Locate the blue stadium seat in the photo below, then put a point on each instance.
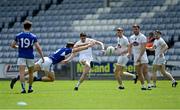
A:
(66, 20)
(177, 45)
(173, 57)
(177, 51)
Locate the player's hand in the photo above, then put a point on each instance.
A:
(138, 60)
(103, 52)
(128, 55)
(64, 62)
(43, 60)
(16, 46)
(92, 43)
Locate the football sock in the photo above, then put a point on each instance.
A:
(149, 85)
(17, 77)
(30, 87)
(143, 86)
(134, 76)
(23, 85)
(154, 84)
(173, 81)
(121, 85)
(77, 85)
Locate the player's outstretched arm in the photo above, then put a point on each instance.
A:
(38, 47)
(100, 43)
(69, 58)
(79, 45)
(77, 49)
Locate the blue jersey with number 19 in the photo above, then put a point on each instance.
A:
(25, 42)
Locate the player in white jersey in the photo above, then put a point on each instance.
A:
(85, 56)
(160, 47)
(137, 47)
(121, 51)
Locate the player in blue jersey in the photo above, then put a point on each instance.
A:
(57, 57)
(25, 41)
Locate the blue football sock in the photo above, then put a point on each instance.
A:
(30, 87)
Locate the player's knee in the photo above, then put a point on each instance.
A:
(116, 71)
(86, 70)
(51, 78)
(83, 62)
(84, 75)
(145, 70)
(116, 74)
(37, 67)
(163, 72)
(118, 68)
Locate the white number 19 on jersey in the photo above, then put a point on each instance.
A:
(25, 43)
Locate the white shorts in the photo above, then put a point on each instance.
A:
(26, 62)
(143, 61)
(47, 65)
(122, 60)
(159, 61)
(87, 61)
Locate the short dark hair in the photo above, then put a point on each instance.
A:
(119, 29)
(83, 34)
(151, 34)
(27, 24)
(157, 31)
(70, 44)
(136, 25)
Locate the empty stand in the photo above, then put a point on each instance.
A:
(56, 22)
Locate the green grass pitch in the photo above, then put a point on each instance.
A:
(92, 94)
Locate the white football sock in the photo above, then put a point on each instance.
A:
(134, 76)
(77, 85)
(143, 86)
(149, 85)
(173, 81)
